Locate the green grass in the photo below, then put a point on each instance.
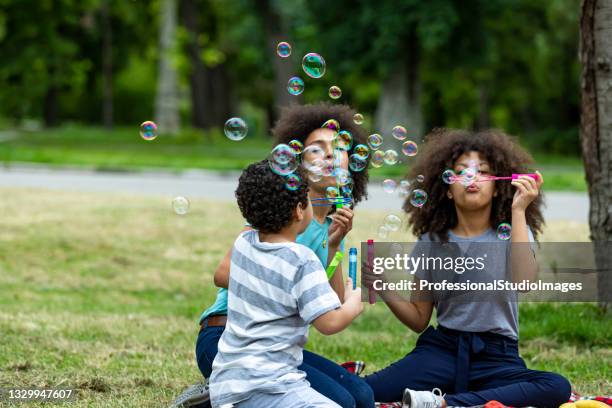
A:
(101, 292)
(123, 149)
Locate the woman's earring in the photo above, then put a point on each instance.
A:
(449, 195)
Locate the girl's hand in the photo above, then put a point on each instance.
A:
(341, 225)
(527, 190)
(368, 277)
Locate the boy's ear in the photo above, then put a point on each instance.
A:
(298, 213)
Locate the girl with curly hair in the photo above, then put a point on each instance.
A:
(472, 355)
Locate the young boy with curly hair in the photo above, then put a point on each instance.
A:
(277, 288)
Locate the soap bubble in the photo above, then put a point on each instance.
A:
(295, 86)
(362, 150)
(410, 148)
(331, 124)
(389, 186)
(315, 175)
(343, 140)
(393, 222)
(420, 178)
(335, 92)
(358, 118)
(404, 188)
(449, 176)
(148, 130)
(375, 141)
(357, 163)
(282, 154)
(378, 158)
(296, 146)
(504, 231)
(235, 129)
(418, 198)
(283, 49)
(312, 155)
(292, 182)
(337, 161)
(391, 157)
(347, 189)
(284, 169)
(467, 176)
(180, 205)
(399, 132)
(332, 192)
(313, 65)
(283, 160)
(342, 176)
(383, 232)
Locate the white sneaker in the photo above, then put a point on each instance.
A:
(422, 399)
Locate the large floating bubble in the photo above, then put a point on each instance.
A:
(282, 154)
(391, 157)
(393, 222)
(148, 130)
(389, 186)
(378, 158)
(418, 198)
(449, 176)
(410, 148)
(283, 49)
(362, 150)
(358, 118)
(235, 129)
(399, 132)
(313, 65)
(331, 124)
(292, 182)
(404, 188)
(357, 163)
(343, 140)
(296, 146)
(375, 141)
(343, 177)
(334, 92)
(180, 205)
(504, 231)
(295, 86)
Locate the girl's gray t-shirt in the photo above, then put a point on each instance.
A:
(492, 315)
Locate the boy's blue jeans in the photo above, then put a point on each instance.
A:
(325, 376)
(487, 365)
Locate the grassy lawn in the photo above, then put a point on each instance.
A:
(102, 292)
(122, 148)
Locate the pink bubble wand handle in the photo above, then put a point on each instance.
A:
(371, 292)
(513, 177)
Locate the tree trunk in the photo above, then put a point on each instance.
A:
(400, 98)
(200, 113)
(283, 67)
(166, 100)
(107, 67)
(596, 128)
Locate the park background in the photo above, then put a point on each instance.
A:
(102, 290)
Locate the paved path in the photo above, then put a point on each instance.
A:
(211, 185)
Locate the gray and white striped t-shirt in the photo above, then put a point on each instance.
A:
(275, 291)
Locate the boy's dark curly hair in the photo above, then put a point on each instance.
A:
(441, 149)
(264, 200)
(298, 121)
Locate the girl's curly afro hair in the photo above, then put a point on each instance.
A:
(265, 201)
(441, 149)
(299, 121)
